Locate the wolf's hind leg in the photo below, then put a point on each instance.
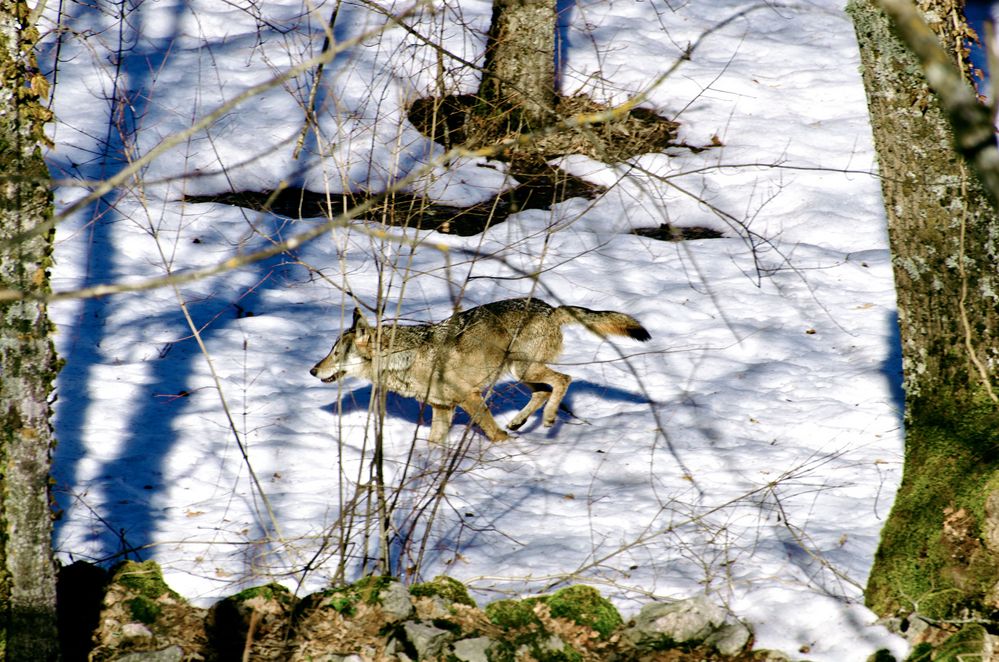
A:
(440, 424)
(481, 416)
(538, 398)
(539, 373)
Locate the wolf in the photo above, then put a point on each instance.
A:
(450, 363)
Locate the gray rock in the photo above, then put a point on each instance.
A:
(731, 639)
(135, 631)
(693, 621)
(437, 607)
(685, 621)
(395, 601)
(426, 640)
(472, 650)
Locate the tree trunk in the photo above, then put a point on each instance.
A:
(939, 552)
(27, 358)
(518, 81)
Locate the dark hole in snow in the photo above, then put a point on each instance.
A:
(667, 232)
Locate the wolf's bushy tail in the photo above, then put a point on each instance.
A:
(604, 322)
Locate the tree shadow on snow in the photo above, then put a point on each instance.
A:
(123, 486)
(892, 367)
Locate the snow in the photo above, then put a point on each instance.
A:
(751, 450)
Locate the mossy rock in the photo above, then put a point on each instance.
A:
(527, 630)
(144, 610)
(144, 578)
(447, 588)
(514, 614)
(140, 613)
(272, 591)
(270, 598)
(145, 584)
(344, 599)
(264, 610)
(584, 605)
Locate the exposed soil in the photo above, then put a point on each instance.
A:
(462, 119)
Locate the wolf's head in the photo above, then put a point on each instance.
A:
(350, 356)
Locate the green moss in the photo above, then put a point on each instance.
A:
(920, 653)
(144, 610)
(444, 587)
(513, 614)
(582, 605)
(585, 606)
(966, 644)
(145, 579)
(931, 552)
(566, 654)
(270, 591)
(344, 599)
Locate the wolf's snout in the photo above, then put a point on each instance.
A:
(313, 372)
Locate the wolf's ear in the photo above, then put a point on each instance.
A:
(361, 329)
(359, 322)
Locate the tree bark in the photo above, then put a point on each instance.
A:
(28, 362)
(518, 80)
(939, 553)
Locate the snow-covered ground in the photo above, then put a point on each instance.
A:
(751, 449)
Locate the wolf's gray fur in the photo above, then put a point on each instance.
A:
(449, 363)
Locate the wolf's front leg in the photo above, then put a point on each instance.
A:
(477, 409)
(440, 424)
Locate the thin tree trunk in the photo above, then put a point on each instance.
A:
(936, 559)
(519, 75)
(27, 358)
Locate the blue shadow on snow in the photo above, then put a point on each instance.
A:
(130, 480)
